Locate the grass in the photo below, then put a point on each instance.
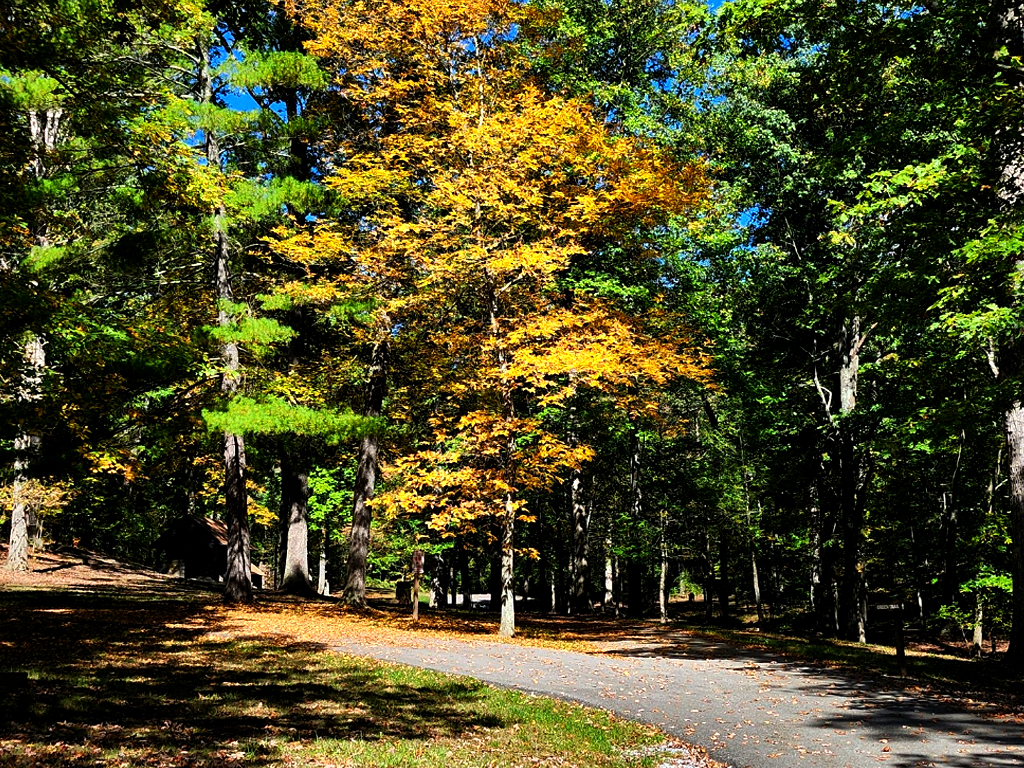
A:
(124, 679)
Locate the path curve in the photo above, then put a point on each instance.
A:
(747, 708)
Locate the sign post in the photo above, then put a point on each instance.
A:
(417, 571)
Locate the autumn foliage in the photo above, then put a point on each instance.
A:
(479, 192)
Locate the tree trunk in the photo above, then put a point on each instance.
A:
(816, 594)
(579, 601)
(977, 637)
(508, 609)
(852, 587)
(950, 530)
(294, 519)
(1015, 457)
(608, 602)
(508, 517)
(465, 581)
(238, 577)
(366, 473)
(635, 578)
(663, 584)
(709, 578)
(824, 601)
(438, 581)
(1007, 39)
(724, 582)
(757, 584)
(26, 446)
(323, 585)
(44, 131)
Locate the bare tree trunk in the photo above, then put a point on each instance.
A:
(852, 587)
(757, 585)
(724, 581)
(507, 627)
(323, 585)
(238, 577)
(1015, 456)
(663, 572)
(709, 578)
(977, 638)
(579, 600)
(294, 518)
(1006, 38)
(465, 582)
(366, 472)
(44, 131)
(438, 581)
(635, 577)
(816, 569)
(26, 445)
(608, 601)
(950, 520)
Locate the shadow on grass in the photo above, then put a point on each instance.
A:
(135, 679)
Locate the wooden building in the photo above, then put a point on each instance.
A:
(197, 548)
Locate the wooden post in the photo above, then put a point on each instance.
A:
(417, 571)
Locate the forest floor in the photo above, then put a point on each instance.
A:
(106, 664)
(746, 697)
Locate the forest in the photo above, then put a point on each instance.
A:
(592, 301)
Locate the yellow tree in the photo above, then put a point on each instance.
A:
(478, 191)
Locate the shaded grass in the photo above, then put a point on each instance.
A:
(151, 679)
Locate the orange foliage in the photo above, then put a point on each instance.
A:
(478, 191)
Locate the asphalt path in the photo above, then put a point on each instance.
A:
(746, 708)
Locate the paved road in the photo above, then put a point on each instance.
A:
(747, 708)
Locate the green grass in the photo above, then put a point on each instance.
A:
(123, 682)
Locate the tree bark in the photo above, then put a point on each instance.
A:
(709, 578)
(507, 627)
(663, 584)
(438, 581)
(238, 577)
(26, 446)
(852, 586)
(366, 472)
(44, 131)
(1006, 33)
(757, 584)
(465, 581)
(635, 577)
(1015, 458)
(977, 638)
(608, 602)
(580, 596)
(294, 518)
(724, 581)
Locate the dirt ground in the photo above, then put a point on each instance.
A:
(65, 567)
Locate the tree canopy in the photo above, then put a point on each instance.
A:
(724, 299)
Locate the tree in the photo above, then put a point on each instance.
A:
(82, 99)
(495, 188)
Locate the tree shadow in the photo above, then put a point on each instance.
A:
(140, 677)
(883, 710)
